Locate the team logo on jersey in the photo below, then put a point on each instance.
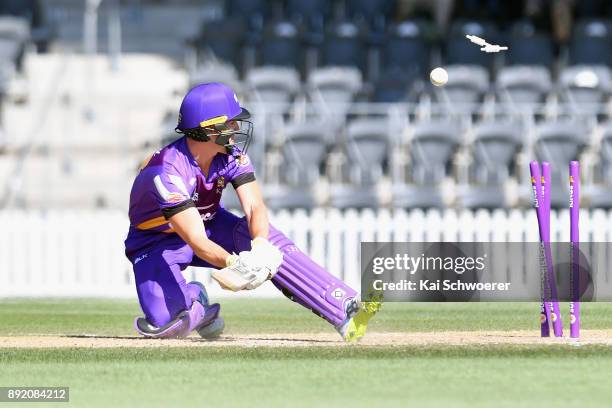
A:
(220, 184)
(195, 197)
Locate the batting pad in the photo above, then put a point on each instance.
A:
(301, 279)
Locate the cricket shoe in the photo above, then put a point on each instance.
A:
(358, 315)
(213, 324)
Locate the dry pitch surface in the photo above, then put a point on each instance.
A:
(276, 353)
(458, 338)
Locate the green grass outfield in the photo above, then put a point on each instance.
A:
(450, 376)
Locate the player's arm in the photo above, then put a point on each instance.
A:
(189, 226)
(254, 208)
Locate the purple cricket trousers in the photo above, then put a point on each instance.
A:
(163, 292)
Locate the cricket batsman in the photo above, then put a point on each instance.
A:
(176, 220)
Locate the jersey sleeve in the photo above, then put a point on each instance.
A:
(241, 170)
(171, 191)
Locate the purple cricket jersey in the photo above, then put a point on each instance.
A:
(172, 181)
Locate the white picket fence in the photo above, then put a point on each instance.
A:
(80, 253)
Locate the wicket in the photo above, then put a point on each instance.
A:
(549, 308)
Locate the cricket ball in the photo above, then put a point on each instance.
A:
(438, 76)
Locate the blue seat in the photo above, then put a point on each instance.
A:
(41, 32)
(398, 85)
(311, 16)
(591, 43)
(459, 50)
(281, 46)
(222, 41)
(254, 12)
(406, 47)
(343, 46)
(527, 46)
(375, 13)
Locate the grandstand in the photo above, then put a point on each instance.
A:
(343, 114)
(344, 117)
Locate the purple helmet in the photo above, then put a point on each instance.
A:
(209, 104)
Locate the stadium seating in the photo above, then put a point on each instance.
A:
(365, 151)
(222, 41)
(216, 71)
(599, 194)
(281, 46)
(398, 85)
(585, 86)
(523, 86)
(527, 46)
(591, 42)
(303, 154)
(311, 16)
(465, 87)
(332, 89)
(86, 181)
(273, 87)
(375, 13)
(251, 13)
(407, 48)
(460, 51)
(32, 13)
(418, 175)
(343, 46)
(559, 142)
(341, 102)
(493, 151)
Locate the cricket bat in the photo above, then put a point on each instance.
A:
(229, 279)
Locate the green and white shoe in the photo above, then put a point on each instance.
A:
(359, 314)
